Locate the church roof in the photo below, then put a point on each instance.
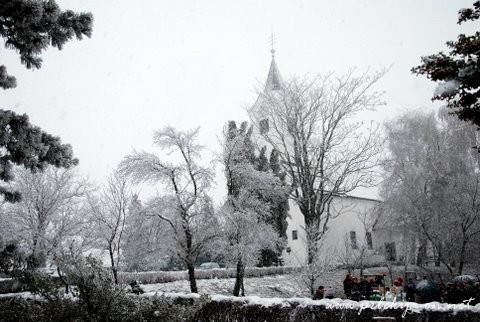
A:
(274, 79)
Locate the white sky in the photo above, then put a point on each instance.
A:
(197, 63)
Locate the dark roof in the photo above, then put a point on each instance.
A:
(274, 79)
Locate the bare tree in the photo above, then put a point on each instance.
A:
(49, 211)
(324, 151)
(186, 206)
(110, 211)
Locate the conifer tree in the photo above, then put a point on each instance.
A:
(261, 163)
(31, 26)
(246, 227)
(458, 71)
(27, 145)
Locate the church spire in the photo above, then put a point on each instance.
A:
(274, 79)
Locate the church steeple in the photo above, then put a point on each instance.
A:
(274, 79)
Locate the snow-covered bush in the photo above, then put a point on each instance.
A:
(95, 298)
(171, 276)
(253, 309)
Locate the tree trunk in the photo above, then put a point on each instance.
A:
(37, 257)
(191, 277)
(239, 279)
(422, 251)
(462, 257)
(190, 258)
(62, 279)
(312, 250)
(112, 262)
(311, 283)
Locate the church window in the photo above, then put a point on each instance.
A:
(390, 251)
(294, 234)
(368, 237)
(353, 239)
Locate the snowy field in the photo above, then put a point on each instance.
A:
(278, 286)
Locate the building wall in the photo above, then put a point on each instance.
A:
(405, 241)
(345, 219)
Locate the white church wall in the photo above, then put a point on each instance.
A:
(346, 217)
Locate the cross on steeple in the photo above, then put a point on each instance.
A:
(272, 44)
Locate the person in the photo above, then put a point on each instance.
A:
(364, 288)
(356, 294)
(136, 289)
(389, 297)
(410, 291)
(319, 293)
(347, 285)
(329, 292)
(379, 281)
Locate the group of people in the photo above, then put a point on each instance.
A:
(460, 292)
(453, 292)
(422, 291)
(360, 288)
(372, 289)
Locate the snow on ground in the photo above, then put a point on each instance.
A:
(281, 286)
(25, 295)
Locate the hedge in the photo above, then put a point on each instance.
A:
(10, 285)
(306, 310)
(171, 276)
(254, 309)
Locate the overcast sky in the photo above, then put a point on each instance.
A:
(198, 63)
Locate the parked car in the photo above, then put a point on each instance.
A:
(209, 265)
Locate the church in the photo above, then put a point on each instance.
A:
(349, 231)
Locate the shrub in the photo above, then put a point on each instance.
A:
(95, 298)
(11, 257)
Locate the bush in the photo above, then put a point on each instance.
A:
(95, 298)
(136, 309)
(11, 257)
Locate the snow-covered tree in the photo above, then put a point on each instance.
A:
(458, 71)
(27, 145)
(247, 210)
(185, 204)
(321, 147)
(31, 26)
(50, 212)
(149, 241)
(110, 212)
(432, 184)
(278, 206)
